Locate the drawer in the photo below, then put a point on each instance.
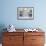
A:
(9, 45)
(12, 44)
(13, 33)
(34, 33)
(12, 39)
(37, 44)
(37, 39)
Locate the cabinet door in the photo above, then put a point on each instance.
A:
(37, 40)
(18, 41)
(27, 40)
(13, 40)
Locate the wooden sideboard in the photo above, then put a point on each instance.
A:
(23, 38)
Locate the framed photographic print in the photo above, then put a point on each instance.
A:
(25, 13)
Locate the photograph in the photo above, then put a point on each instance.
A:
(25, 13)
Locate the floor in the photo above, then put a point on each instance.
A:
(0, 44)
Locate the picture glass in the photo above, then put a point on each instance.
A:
(25, 13)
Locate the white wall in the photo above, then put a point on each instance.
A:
(9, 13)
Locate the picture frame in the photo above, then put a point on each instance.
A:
(25, 13)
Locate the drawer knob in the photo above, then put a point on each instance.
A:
(33, 39)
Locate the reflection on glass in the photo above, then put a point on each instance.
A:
(30, 11)
(21, 13)
(30, 15)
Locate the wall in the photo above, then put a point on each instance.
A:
(9, 13)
